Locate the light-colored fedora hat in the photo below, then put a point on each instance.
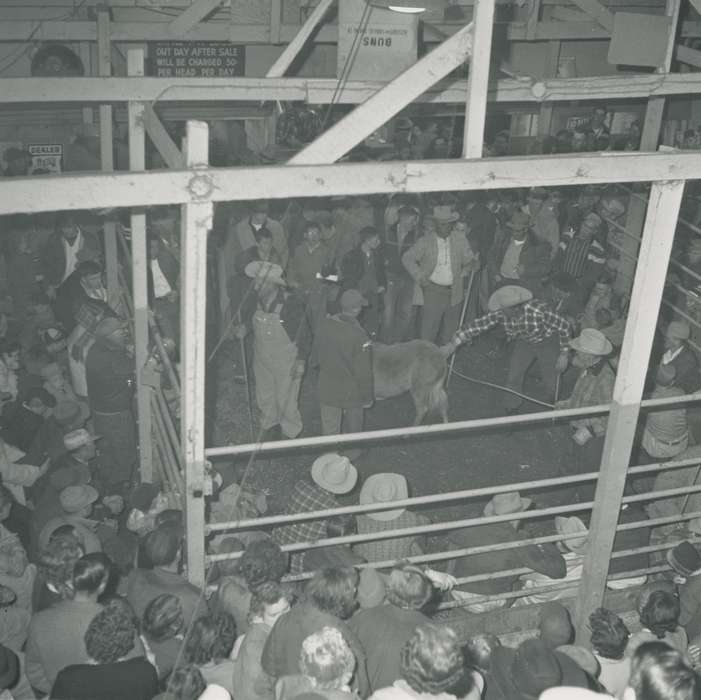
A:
(505, 503)
(264, 271)
(592, 342)
(384, 488)
(334, 473)
(572, 526)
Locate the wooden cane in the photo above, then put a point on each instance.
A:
(462, 320)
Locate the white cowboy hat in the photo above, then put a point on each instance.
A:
(264, 271)
(78, 438)
(384, 488)
(334, 473)
(505, 503)
(510, 295)
(572, 526)
(592, 342)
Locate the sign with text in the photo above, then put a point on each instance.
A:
(375, 44)
(196, 59)
(46, 158)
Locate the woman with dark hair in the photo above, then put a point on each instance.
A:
(161, 628)
(659, 672)
(54, 581)
(330, 598)
(163, 548)
(109, 673)
(384, 629)
(261, 562)
(609, 638)
(659, 615)
(432, 666)
(186, 683)
(209, 644)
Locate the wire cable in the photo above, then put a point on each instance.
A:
(502, 388)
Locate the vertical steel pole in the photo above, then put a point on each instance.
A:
(655, 249)
(196, 223)
(139, 260)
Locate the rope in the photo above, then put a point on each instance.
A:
(502, 388)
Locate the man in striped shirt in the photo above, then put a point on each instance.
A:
(581, 252)
(536, 331)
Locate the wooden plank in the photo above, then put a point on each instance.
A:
(546, 109)
(478, 81)
(384, 104)
(275, 21)
(104, 56)
(291, 51)
(532, 23)
(598, 12)
(90, 191)
(196, 221)
(322, 90)
(191, 17)
(137, 162)
(655, 250)
(691, 57)
(161, 139)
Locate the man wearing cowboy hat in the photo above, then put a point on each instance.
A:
(519, 257)
(331, 475)
(281, 344)
(544, 559)
(385, 488)
(438, 263)
(594, 386)
(534, 329)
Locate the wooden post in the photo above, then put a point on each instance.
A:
(545, 118)
(649, 140)
(137, 161)
(196, 221)
(655, 249)
(104, 52)
(478, 80)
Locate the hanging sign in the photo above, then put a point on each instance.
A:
(196, 59)
(376, 44)
(46, 158)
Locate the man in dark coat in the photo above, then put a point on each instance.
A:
(110, 378)
(363, 268)
(345, 368)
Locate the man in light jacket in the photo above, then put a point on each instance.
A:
(438, 263)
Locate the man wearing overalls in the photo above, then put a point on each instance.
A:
(281, 340)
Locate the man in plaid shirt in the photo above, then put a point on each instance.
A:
(534, 328)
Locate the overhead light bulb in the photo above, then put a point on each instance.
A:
(406, 9)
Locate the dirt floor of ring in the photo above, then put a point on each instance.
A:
(432, 465)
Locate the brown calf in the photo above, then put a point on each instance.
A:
(418, 367)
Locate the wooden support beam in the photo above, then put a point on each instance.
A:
(275, 21)
(291, 51)
(139, 257)
(650, 138)
(191, 17)
(196, 220)
(655, 250)
(322, 90)
(104, 56)
(532, 22)
(89, 191)
(545, 117)
(598, 12)
(478, 81)
(369, 116)
(161, 139)
(691, 57)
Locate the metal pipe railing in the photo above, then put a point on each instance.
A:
(462, 523)
(171, 455)
(169, 423)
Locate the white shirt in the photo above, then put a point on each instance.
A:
(161, 287)
(512, 256)
(669, 355)
(71, 250)
(443, 272)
